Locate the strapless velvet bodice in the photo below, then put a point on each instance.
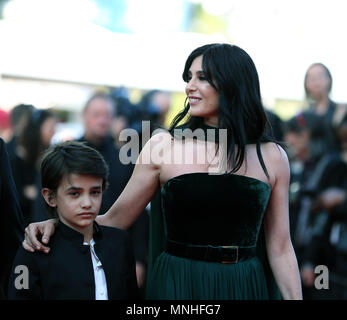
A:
(205, 209)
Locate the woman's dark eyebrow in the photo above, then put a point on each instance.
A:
(72, 188)
(199, 72)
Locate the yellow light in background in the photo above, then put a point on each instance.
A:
(177, 105)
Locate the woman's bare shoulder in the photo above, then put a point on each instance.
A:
(155, 150)
(159, 138)
(274, 151)
(277, 158)
(161, 134)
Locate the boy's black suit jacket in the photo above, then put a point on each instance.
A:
(66, 272)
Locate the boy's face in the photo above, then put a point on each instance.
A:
(78, 200)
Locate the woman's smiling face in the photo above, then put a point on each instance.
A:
(203, 97)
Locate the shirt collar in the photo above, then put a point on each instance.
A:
(75, 236)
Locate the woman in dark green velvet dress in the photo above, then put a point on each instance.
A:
(219, 221)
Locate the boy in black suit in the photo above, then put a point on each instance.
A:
(86, 261)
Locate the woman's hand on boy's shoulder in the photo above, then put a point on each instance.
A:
(34, 230)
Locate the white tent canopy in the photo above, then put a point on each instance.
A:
(89, 54)
(282, 40)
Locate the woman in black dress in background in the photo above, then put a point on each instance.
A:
(212, 214)
(34, 137)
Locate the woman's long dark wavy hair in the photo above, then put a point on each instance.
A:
(231, 71)
(30, 137)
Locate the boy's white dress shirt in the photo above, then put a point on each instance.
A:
(99, 274)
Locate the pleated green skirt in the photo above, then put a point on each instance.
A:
(176, 278)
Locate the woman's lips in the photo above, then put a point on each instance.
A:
(194, 100)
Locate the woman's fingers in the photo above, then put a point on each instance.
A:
(27, 244)
(27, 247)
(34, 231)
(31, 242)
(47, 231)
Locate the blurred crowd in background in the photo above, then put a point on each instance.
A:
(315, 140)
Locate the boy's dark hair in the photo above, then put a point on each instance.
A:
(67, 158)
